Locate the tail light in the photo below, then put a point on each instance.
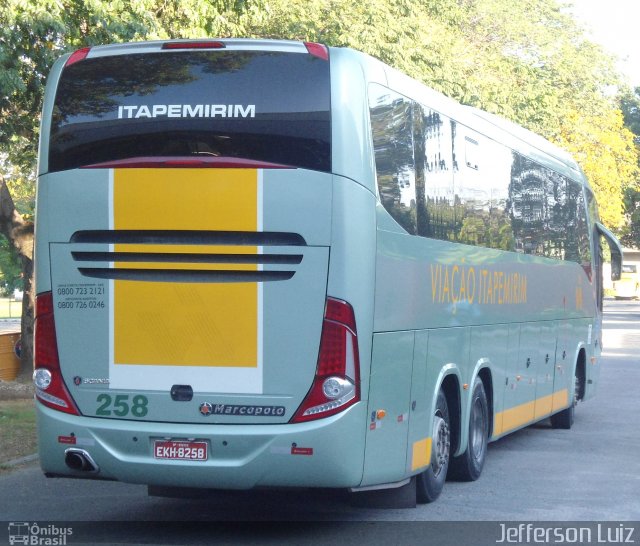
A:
(336, 385)
(47, 377)
(77, 56)
(317, 50)
(206, 44)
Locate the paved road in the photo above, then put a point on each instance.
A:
(591, 472)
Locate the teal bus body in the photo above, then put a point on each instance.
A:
(361, 286)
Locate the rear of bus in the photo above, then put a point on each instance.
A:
(628, 286)
(204, 277)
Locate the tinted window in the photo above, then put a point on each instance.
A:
(549, 213)
(439, 163)
(440, 179)
(266, 106)
(481, 185)
(392, 128)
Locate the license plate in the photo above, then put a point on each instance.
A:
(180, 450)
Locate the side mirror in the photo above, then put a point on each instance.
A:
(616, 269)
(616, 251)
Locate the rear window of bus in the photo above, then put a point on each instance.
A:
(264, 106)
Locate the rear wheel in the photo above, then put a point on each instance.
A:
(468, 466)
(431, 481)
(564, 419)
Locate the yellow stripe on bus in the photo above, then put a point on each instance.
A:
(421, 455)
(223, 264)
(517, 416)
(185, 324)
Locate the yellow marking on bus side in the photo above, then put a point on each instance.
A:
(421, 455)
(513, 418)
(185, 324)
(560, 400)
(517, 416)
(544, 406)
(497, 424)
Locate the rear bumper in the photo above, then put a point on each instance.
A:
(324, 453)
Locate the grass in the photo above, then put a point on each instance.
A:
(10, 308)
(17, 431)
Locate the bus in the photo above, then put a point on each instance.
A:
(282, 264)
(628, 286)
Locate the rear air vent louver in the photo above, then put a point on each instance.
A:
(184, 275)
(177, 237)
(167, 257)
(161, 259)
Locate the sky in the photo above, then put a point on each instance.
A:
(615, 24)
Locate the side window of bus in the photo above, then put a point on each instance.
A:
(526, 195)
(577, 227)
(392, 129)
(548, 212)
(434, 172)
(482, 190)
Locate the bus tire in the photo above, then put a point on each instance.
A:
(468, 466)
(429, 483)
(564, 419)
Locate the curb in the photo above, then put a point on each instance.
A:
(21, 460)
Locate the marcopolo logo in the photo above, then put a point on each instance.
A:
(38, 535)
(207, 409)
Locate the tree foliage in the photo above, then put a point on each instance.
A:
(630, 234)
(10, 271)
(630, 106)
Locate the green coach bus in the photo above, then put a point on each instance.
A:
(274, 263)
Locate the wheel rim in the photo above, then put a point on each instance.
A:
(479, 429)
(576, 390)
(442, 436)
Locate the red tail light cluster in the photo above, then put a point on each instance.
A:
(336, 385)
(317, 50)
(77, 56)
(50, 387)
(205, 44)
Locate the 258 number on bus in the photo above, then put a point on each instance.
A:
(120, 407)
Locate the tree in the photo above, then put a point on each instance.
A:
(630, 106)
(630, 234)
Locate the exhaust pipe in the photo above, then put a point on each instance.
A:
(79, 459)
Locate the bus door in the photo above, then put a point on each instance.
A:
(520, 389)
(546, 368)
